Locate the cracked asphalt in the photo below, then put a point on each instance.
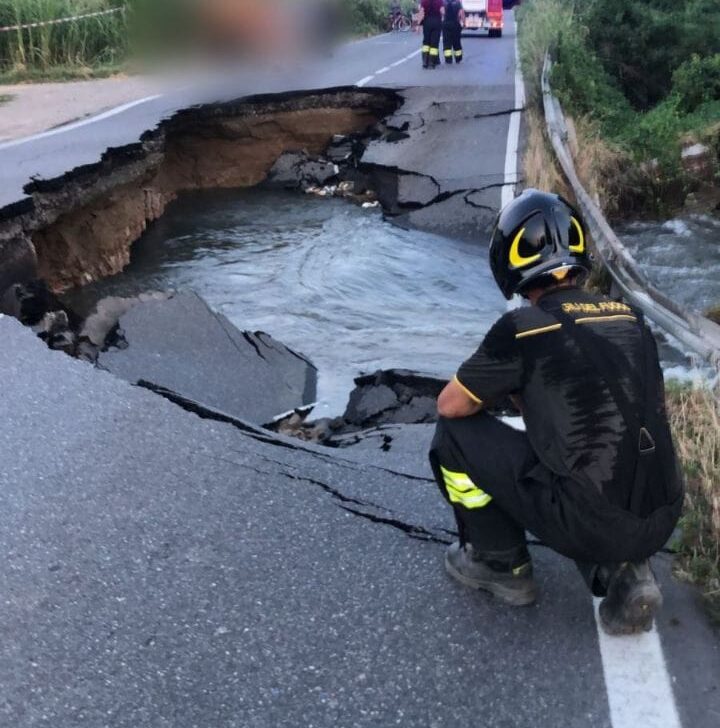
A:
(163, 569)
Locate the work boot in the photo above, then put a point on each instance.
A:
(633, 598)
(426, 60)
(510, 581)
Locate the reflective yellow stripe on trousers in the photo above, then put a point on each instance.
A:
(463, 491)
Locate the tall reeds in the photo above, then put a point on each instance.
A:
(85, 43)
(695, 418)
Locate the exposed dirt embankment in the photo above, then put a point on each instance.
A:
(83, 224)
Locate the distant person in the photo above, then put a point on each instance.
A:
(452, 31)
(432, 13)
(594, 476)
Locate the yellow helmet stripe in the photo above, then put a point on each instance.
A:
(517, 260)
(580, 247)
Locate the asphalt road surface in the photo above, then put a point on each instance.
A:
(163, 570)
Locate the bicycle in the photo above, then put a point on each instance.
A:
(399, 23)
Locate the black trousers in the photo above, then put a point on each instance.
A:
(498, 488)
(452, 42)
(432, 29)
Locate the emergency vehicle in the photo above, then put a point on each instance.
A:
(484, 15)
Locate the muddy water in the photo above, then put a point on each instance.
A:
(349, 290)
(681, 257)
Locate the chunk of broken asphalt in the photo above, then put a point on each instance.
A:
(298, 170)
(392, 396)
(182, 345)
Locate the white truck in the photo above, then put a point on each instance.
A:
(484, 15)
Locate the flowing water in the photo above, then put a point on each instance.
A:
(681, 257)
(336, 282)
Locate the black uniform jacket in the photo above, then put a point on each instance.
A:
(573, 422)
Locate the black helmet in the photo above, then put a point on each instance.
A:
(537, 235)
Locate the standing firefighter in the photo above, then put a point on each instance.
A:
(595, 476)
(432, 12)
(452, 31)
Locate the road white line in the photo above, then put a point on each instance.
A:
(77, 124)
(385, 69)
(636, 678)
(513, 139)
(507, 193)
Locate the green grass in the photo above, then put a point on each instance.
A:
(61, 73)
(97, 47)
(75, 47)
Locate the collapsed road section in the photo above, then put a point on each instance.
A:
(167, 563)
(400, 148)
(80, 227)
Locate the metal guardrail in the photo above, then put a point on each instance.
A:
(693, 330)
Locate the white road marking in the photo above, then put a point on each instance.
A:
(510, 179)
(77, 124)
(636, 679)
(513, 139)
(365, 81)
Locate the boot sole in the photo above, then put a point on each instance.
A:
(637, 614)
(515, 597)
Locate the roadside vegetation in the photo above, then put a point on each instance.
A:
(639, 81)
(101, 46)
(370, 16)
(695, 418)
(80, 49)
(642, 81)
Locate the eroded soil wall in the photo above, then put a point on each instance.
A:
(83, 225)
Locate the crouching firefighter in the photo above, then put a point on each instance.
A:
(594, 476)
(452, 31)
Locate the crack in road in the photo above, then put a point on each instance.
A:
(411, 529)
(417, 532)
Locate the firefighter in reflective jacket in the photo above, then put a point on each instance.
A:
(432, 13)
(452, 31)
(594, 475)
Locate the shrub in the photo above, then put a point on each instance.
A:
(369, 16)
(696, 82)
(641, 43)
(542, 22)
